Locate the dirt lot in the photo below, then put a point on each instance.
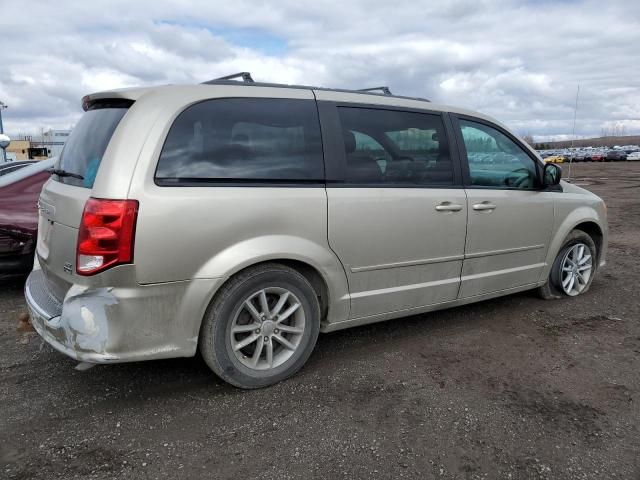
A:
(510, 388)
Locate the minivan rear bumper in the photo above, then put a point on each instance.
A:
(113, 325)
(46, 317)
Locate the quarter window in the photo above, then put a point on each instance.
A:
(254, 139)
(389, 147)
(495, 160)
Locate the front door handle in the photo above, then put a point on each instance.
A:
(484, 206)
(448, 207)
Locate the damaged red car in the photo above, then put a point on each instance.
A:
(19, 192)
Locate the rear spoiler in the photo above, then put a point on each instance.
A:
(97, 103)
(127, 94)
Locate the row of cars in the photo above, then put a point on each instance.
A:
(591, 155)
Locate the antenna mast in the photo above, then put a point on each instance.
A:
(573, 134)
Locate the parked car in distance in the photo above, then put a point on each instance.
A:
(633, 156)
(554, 159)
(19, 193)
(8, 167)
(243, 219)
(628, 148)
(580, 156)
(597, 157)
(616, 155)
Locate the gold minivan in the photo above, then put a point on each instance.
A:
(243, 218)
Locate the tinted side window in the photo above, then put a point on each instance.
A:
(495, 160)
(244, 139)
(403, 148)
(365, 145)
(86, 145)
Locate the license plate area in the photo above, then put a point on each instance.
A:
(46, 217)
(45, 229)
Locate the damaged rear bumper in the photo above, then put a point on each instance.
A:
(113, 325)
(83, 339)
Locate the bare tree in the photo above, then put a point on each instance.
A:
(527, 137)
(617, 130)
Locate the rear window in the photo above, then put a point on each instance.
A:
(243, 139)
(87, 143)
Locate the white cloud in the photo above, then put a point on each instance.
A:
(518, 61)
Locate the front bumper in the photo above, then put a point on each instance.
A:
(113, 325)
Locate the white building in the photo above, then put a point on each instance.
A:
(54, 140)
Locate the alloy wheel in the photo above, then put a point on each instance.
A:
(577, 266)
(267, 328)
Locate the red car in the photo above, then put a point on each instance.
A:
(19, 193)
(597, 157)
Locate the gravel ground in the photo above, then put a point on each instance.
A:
(509, 388)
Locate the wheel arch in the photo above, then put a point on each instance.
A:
(308, 271)
(317, 263)
(592, 229)
(314, 277)
(585, 219)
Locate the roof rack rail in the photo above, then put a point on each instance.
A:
(246, 80)
(246, 77)
(382, 89)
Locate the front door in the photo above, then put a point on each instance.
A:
(397, 217)
(510, 217)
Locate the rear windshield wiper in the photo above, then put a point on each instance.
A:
(64, 173)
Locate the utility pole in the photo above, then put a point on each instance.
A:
(2, 107)
(573, 134)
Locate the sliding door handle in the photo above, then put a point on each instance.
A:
(484, 206)
(448, 207)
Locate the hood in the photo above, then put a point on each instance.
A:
(571, 188)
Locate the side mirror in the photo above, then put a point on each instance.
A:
(551, 175)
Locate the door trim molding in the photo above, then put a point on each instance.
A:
(409, 263)
(403, 288)
(452, 258)
(493, 273)
(503, 251)
(379, 317)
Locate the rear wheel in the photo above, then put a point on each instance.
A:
(573, 269)
(261, 327)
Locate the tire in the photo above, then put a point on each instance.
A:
(229, 312)
(553, 288)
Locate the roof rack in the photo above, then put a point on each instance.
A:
(246, 77)
(382, 89)
(248, 80)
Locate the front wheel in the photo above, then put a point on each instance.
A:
(573, 269)
(261, 326)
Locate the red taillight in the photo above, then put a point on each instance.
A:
(106, 235)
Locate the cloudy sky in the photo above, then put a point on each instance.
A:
(520, 61)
